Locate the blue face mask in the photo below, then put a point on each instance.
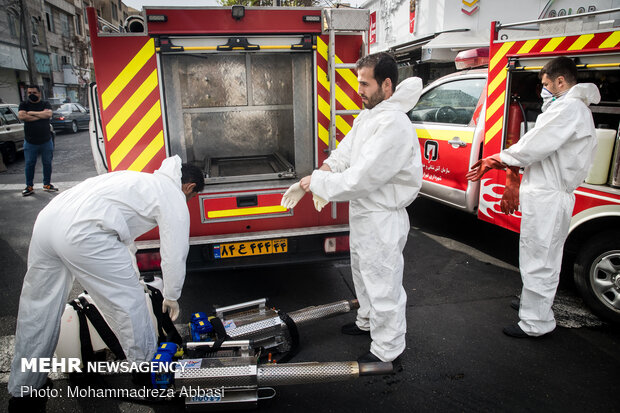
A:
(547, 98)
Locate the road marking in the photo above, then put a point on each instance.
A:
(18, 187)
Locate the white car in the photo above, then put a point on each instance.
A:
(12, 132)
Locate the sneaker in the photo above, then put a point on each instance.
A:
(352, 329)
(50, 188)
(28, 191)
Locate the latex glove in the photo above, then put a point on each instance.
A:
(319, 202)
(510, 199)
(171, 307)
(483, 166)
(292, 196)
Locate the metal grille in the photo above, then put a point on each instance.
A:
(347, 20)
(249, 329)
(318, 312)
(304, 373)
(240, 372)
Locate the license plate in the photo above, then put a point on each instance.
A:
(246, 249)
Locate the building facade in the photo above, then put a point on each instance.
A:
(57, 35)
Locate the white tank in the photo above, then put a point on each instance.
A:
(600, 168)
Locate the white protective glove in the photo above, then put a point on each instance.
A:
(319, 202)
(292, 196)
(171, 307)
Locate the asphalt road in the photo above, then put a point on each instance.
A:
(460, 276)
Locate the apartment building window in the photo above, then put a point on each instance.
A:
(12, 24)
(49, 19)
(114, 13)
(85, 16)
(78, 24)
(65, 27)
(55, 58)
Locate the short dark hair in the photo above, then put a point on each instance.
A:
(193, 175)
(384, 67)
(34, 87)
(560, 66)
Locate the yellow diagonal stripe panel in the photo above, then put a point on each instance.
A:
(493, 107)
(466, 136)
(527, 46)
(131, 105)
(499, 79)
(135, 135)
(321, 47)
(148, 153)
(469, 4)
(552, 44)
(611, 41)
(224, 213)
(493, 130)
(500, 54)
(323, 134)
(341, 125)
(347, 74)
(128, 73)
(581, 42)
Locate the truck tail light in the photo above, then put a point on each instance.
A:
(61, 118)
(333, 245)
(148, 261)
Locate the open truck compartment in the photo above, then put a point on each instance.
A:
(241, 116)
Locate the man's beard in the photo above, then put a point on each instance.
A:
(375, 99)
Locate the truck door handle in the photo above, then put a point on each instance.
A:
(247, 201)
(456, 142)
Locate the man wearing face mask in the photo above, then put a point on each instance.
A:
(36, 114)
(556, 154)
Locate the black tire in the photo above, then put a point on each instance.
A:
(74, 127)
(9, 154)
(597, 274)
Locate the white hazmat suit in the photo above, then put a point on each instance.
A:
(86, 233)
(378, 168)
(557, 154)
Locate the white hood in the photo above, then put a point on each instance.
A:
(405, 96)
(171, 167)
(586, 92)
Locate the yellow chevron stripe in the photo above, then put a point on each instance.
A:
(492, 131)
(321, 47)
(128, 73)
(500, 54)
(498, 80)
(148, 154)
(553, 44)
(131, 105)
(611, 41)
(493, 107)
(341, 124)
(341, 97)
(581, 42)
(465, 2)
(323, 134)
(466, 136)
(224, 213)
(527, 46)
(347, 75)
(135, 135)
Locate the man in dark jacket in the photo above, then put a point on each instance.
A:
(36, 114)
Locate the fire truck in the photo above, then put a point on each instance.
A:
(256, 97)
(475, 113)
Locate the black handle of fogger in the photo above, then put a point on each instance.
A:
(376, 368)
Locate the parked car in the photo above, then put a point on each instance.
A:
(70, 116)
(12, 132)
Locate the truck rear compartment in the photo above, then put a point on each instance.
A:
(242, 116)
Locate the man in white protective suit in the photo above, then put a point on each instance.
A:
(87, 233)
(556, 154)
(377, 167)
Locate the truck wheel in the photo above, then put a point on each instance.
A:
(8, 152)
(597, 274)
(74, 127)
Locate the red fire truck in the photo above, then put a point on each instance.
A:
(475, 113)
(256, 97)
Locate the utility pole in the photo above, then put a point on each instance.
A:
(26, 25)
